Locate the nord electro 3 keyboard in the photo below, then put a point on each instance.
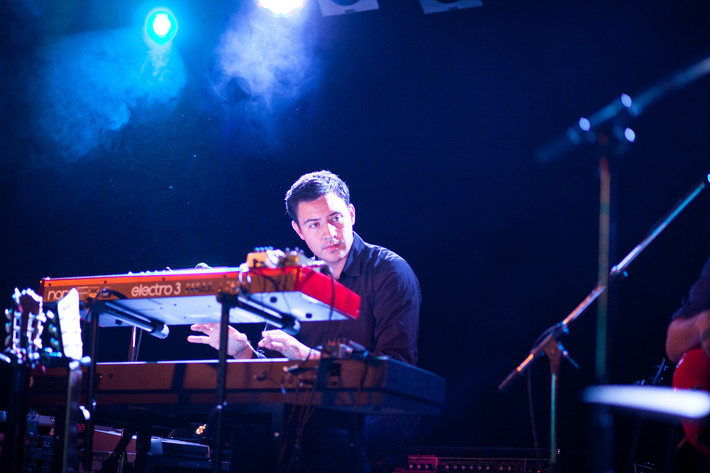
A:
(188, 296)
(172, 389)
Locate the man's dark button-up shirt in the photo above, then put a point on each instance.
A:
(389, 307)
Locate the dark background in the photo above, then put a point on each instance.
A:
(110, 165)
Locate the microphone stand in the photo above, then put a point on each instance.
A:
(228, 300)
(599, 128)
(550, 344)
(601, 422)
(620, 109)
(238, 297)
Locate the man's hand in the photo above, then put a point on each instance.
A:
(237, 343)
(288, 346)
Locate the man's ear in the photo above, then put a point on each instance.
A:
(297, 229)
(352, 213)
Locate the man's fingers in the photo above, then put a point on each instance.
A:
(271, 344)
(200, 327)
(198, 339)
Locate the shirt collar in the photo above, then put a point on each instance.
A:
(352, 268)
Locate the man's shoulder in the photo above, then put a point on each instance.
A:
(372, 251)
(383, 258)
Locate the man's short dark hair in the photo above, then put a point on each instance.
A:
(312, 186)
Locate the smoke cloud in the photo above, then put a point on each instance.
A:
(265, 64)
(85, 88)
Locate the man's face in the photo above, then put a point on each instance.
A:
(326, 225)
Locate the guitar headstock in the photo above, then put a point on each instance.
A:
(25, 323)
(658, 378)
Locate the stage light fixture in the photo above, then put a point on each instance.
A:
(341, 7)
(282, 7)
(438, 6)
(160, 26)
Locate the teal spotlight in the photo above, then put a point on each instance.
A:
(160, 26)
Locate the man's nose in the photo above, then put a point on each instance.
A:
(331, 231)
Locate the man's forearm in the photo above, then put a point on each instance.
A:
(684, 334)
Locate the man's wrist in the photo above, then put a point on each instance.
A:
(246, 353)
